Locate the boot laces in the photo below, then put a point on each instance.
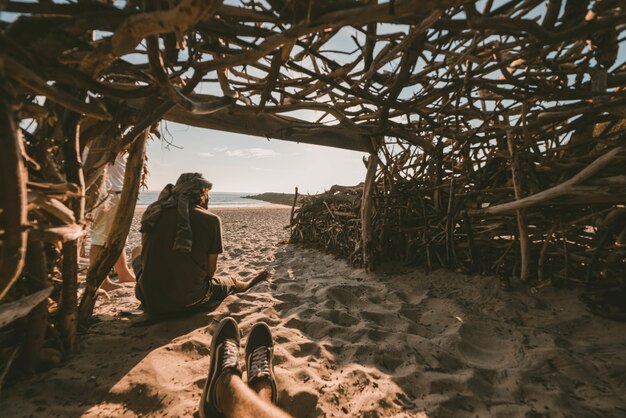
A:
(230, 355)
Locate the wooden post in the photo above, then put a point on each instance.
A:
(37, 321)
(12, 194)
(117, 238)
(367, 208)
(467, 221)
(74, 172)
(293, 208)
(522, 226)
(69, 299)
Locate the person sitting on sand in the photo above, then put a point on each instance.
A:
(181, 241)
(225, 393)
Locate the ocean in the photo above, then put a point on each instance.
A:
(216, 200)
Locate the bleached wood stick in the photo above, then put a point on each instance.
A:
(554, 192)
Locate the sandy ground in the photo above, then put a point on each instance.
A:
(397, 343)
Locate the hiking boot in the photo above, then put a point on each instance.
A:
(224, 359)
(260, 357)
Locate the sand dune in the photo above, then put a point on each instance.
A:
(396, 343)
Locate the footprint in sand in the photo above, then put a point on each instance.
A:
(313, 328)
(339, 317)
(307, 349)
(410, 312)
(235, 308)
(289, 297)
(439, 317)
(479, 346)
(286, 307)
(193, 349)
(346, 295)
(387, 320)
(293, 288)
(388, 361)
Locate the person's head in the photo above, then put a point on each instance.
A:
(203, 198)
(195, 186)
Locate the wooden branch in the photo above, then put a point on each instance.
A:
(117, 237)
(554, 192)
(279, 59)
(13, 177)
(52, 206)
(404, 11)
(51, 8)
(367, 208)
(33, 82)
(293, 207)
(177, 19)
(66, 320)
(245, 121)
(191, 106)
(522, 224)
(12, 311)
(409, 58)
(55, 189)
(153, 111)
(37, 279)
(57, 233)
(245, 15)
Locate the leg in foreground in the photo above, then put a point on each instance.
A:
(225, 394)
(224, 361)
(236, 399)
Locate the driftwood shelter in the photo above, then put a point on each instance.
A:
(495, 131)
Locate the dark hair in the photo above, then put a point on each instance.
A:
(200, 198)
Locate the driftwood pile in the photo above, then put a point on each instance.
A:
(331, 221)
(461, 212)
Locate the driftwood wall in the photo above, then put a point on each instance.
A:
(555, 216)
(494, 131)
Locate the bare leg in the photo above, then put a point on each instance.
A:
(135, 252)
(263, 388)
(236, 399)
(107, 284)
(121, 266)
(241, 286)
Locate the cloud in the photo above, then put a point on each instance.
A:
(220, 149)
(205, 154)
(252, 153)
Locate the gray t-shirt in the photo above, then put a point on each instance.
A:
(172, 281)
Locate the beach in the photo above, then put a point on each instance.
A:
(394, 343)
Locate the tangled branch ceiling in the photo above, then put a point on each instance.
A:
(334, 73)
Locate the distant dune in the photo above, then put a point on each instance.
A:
(277, 198)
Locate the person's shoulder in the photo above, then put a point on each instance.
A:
(205, 214)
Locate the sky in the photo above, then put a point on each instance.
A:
(242, 163)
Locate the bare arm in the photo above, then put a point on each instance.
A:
(212, 264)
